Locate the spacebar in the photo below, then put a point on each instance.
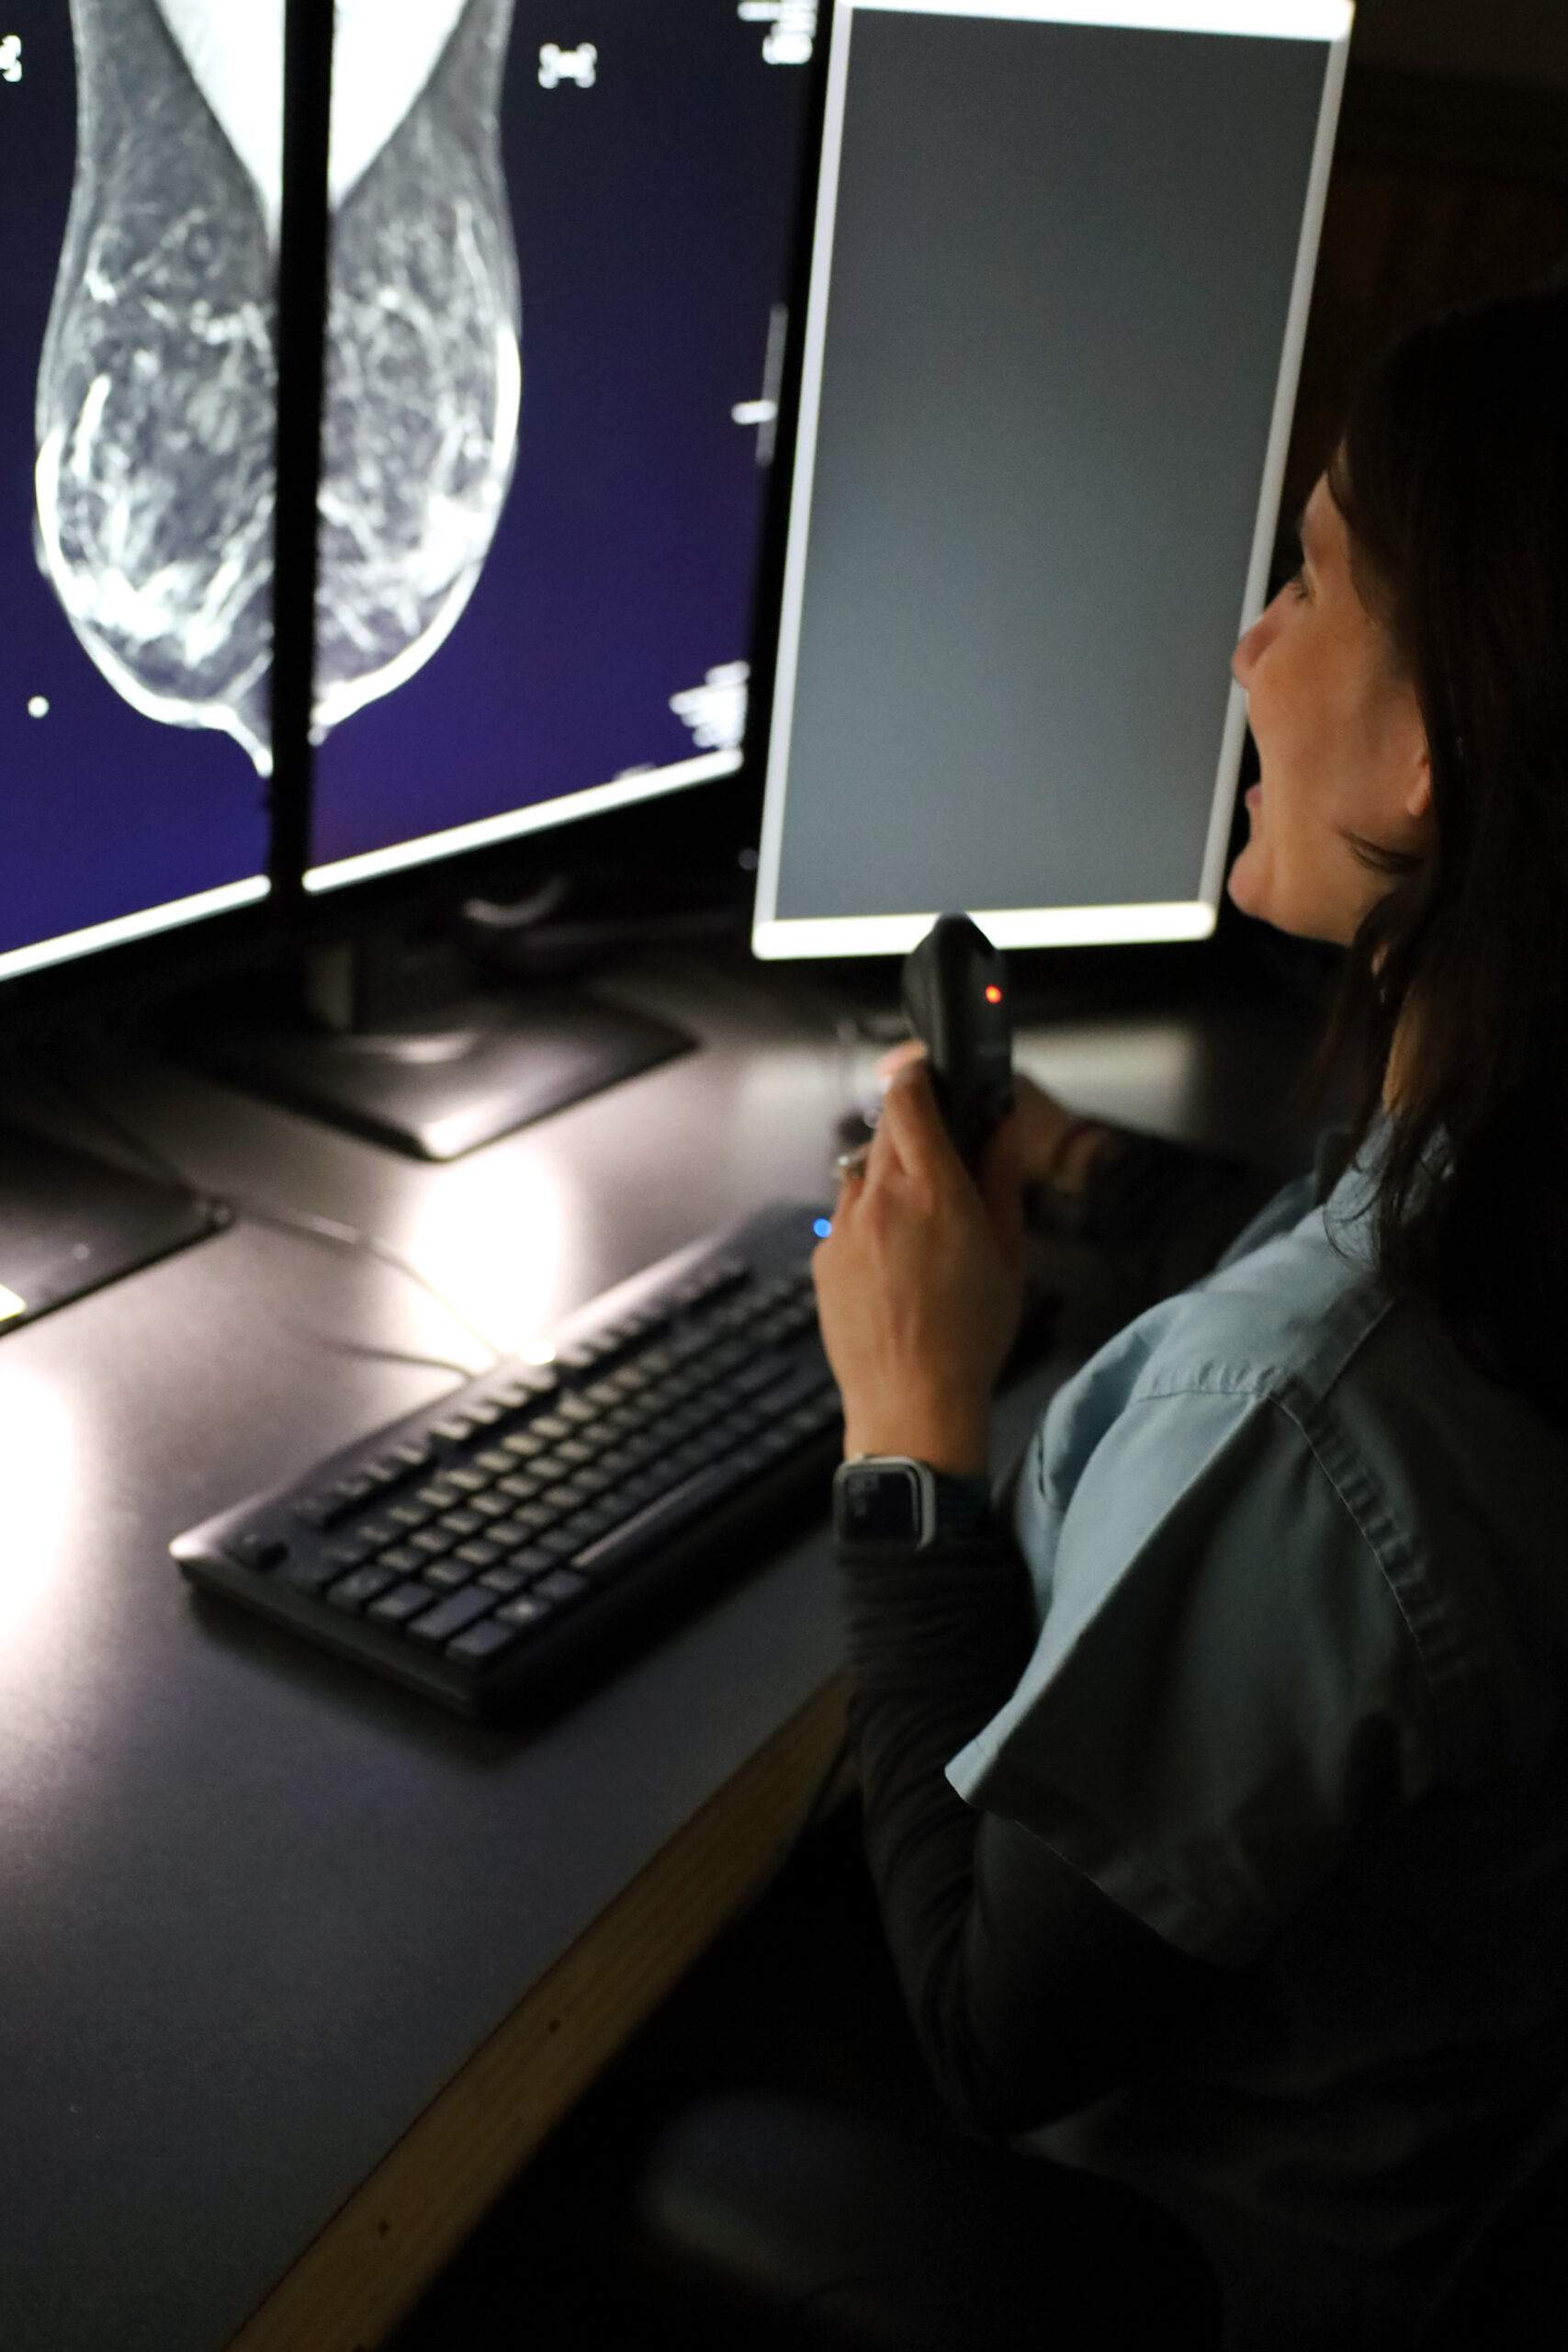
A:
(609, 1554)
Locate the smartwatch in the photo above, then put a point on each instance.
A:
(889, 1506)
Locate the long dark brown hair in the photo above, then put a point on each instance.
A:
(1452, 478)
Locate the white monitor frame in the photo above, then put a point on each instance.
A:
(144, 922)
(776, 938)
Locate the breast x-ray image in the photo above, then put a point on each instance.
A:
(424, 374)
(154, 416)
(155, 394)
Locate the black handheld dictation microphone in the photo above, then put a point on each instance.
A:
(956, 1002)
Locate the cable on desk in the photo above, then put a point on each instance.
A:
(353, 1236)
(302, 1221)
(364, 1351)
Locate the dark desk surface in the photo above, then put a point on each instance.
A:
(260, 1913)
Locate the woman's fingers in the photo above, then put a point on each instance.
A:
(913, 1049)
(917, 1135)
(919, 1146)
(1001, 1188)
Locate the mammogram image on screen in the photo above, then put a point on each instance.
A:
(424, 374)
(156, 386)
(154, 414)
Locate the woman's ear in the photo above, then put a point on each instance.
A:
(1418, 788)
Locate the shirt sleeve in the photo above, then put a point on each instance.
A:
(1028, 1994)
(1224, 1689)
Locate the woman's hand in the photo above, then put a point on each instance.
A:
(918, 1284)
(1054, 1146)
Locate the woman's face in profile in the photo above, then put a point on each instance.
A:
(1341, 746)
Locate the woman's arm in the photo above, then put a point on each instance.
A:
(1029, 1991)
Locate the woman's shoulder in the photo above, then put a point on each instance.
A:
(1282, 1317)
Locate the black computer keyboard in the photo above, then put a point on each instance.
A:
(489, 1549)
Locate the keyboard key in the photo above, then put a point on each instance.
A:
(493, 1459)
(348, 1552)
(531, 1560)
(404, 1601)
(402, 1559)
(533, 1518)
(505, 1579)
(451, 1616)
(434, 1543)
(456, 1429)
(407, 1515)
(375, 1532)
(551, 1426)
(524, 1615)
(353, 1592)
(483, 1414)
(520, 1486)
(533, 1380)
(460, 1523)
(445, 1576)
(470, 1481)
(253, 1551)
(440, 1494)
(508, 1534)
(806, 1380)
(560, 1588)
(577, 1355)
(316, 1510)
(482, 1641)
(352, 1491)
(478, 1554)
(524, 1444)
(413, 1453)
(309, 1576)
(489, 1506)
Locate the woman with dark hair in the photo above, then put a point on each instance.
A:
(1216, 1784)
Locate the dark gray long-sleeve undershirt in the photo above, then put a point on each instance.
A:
(1031, 1993)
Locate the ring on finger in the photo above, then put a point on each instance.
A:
(851, 1165)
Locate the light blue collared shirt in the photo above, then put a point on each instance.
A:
(1297, 1702)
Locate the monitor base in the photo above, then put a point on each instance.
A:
(439, 1083)
(69, 1224)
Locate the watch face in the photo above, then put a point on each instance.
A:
(880, 1504)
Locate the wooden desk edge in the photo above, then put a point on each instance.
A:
(398, 2231)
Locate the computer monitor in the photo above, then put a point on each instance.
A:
(139, 167)
(554, 343)
(1059, 281)
(140, 159)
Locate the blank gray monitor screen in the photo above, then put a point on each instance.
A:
(1061, 266)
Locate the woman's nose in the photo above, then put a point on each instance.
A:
(1243, 661)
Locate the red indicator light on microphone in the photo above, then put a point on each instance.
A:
(993, 994)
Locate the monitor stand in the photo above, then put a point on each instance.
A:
(398, 1037)
(70, 1223)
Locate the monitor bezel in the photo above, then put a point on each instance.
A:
(776, 938)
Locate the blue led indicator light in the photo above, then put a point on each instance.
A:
(822, 1227)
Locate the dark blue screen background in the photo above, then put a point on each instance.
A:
(102, 812)
(651, 215)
